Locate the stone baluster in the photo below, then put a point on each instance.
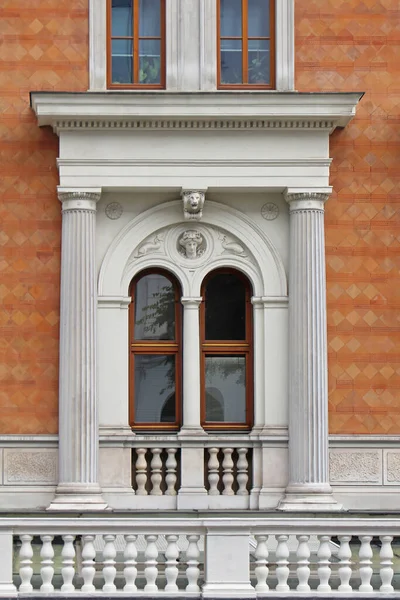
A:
(68, 563)
(227, 477)
(365, 555)
(141, 472)
(171, 568)
(192, 561)
(303, 569)
(261, 570)
(47, 563)
(171, 466)
(88, 568)
(130, 568)
(151, 570)
(324, 561)
(308, 488)
(25, 563)
(213, 472)
(156, 476)
(386, 562)
(282, 569)
(242, 466)
(78, 486)
(109, 570)
(345, 563)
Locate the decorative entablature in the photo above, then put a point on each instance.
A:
(200, 140)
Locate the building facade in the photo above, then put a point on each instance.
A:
(200, 232)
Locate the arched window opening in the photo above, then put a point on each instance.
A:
(226, 351)
(155, 351)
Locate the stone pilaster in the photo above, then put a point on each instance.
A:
(78, 487)
(308, 488)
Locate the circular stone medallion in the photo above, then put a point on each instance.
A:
(270, 211)
(114, 210)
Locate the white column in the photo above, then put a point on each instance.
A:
(192, 493)
(308, 488)
(78, 486)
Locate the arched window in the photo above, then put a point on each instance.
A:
(155, 351)
(226, 351)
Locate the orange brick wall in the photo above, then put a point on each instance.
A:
(354, 45)
(341, 45)
(43, 46)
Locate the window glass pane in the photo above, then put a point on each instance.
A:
(225, 308)
(149, 61)
(154, 308)
(259, 63)
(231, 18)
(258, 18)
(154, 388)
(122, 61)
(231, 61)
(226, 389)
(121, 18)
(149, 18)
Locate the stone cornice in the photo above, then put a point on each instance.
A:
(211, 110)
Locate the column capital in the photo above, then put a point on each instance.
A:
(79, 199)
(191, 302)
(307, 200)
(270, 301)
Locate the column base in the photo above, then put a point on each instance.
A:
(77, 496)
(309, 498)
(192, 431)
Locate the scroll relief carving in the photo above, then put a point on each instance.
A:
(231, 246)
(393, 467)
(150, 245)
(31, 467)
(355, 467)
(193, 204)
(191, 244)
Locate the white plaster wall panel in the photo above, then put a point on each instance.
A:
(189, 143)
(355, 466)
(113, 361)
(36, 466)
(391, 460)
(276, 324)
(115, 467)
(275, 467)
(1, 466)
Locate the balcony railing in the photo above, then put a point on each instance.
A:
(199, 557)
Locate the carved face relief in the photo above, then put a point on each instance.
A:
(193, 203)
(192, 243)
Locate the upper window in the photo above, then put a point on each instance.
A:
(136, 44)
(226, 351)
(246, 46)
(155, 351)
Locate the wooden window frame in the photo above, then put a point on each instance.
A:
(135, 45)
(161, 347)
(245, 59)
(227, 348)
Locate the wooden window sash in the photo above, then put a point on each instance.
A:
(245, 50)
(135, 49)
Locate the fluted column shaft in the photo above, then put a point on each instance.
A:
(308, 487)
(78, 423)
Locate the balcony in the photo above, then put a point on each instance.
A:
(199, 556)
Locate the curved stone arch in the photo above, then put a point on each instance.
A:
(268, 276)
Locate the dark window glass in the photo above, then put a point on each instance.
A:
(122, 61)
(154, 308)
(231, 18)
(149, 61)
(225, 308)
(258, 18)
(154, 376)
(149, 18)
(231, 61)
(225, 389)
(122, 18)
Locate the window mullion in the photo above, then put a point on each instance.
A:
(245, 58)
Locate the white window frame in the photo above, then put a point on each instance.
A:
(191, 66)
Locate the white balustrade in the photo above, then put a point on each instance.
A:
(156, 475)
(213, 471)
(171, 466)
(242, 472)
(141, 471)
(68, 562)
(235, 471)
(169, 555)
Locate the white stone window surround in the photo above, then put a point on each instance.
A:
(191, 45)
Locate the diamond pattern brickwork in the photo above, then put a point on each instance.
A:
(43, 46)
(354, 45)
